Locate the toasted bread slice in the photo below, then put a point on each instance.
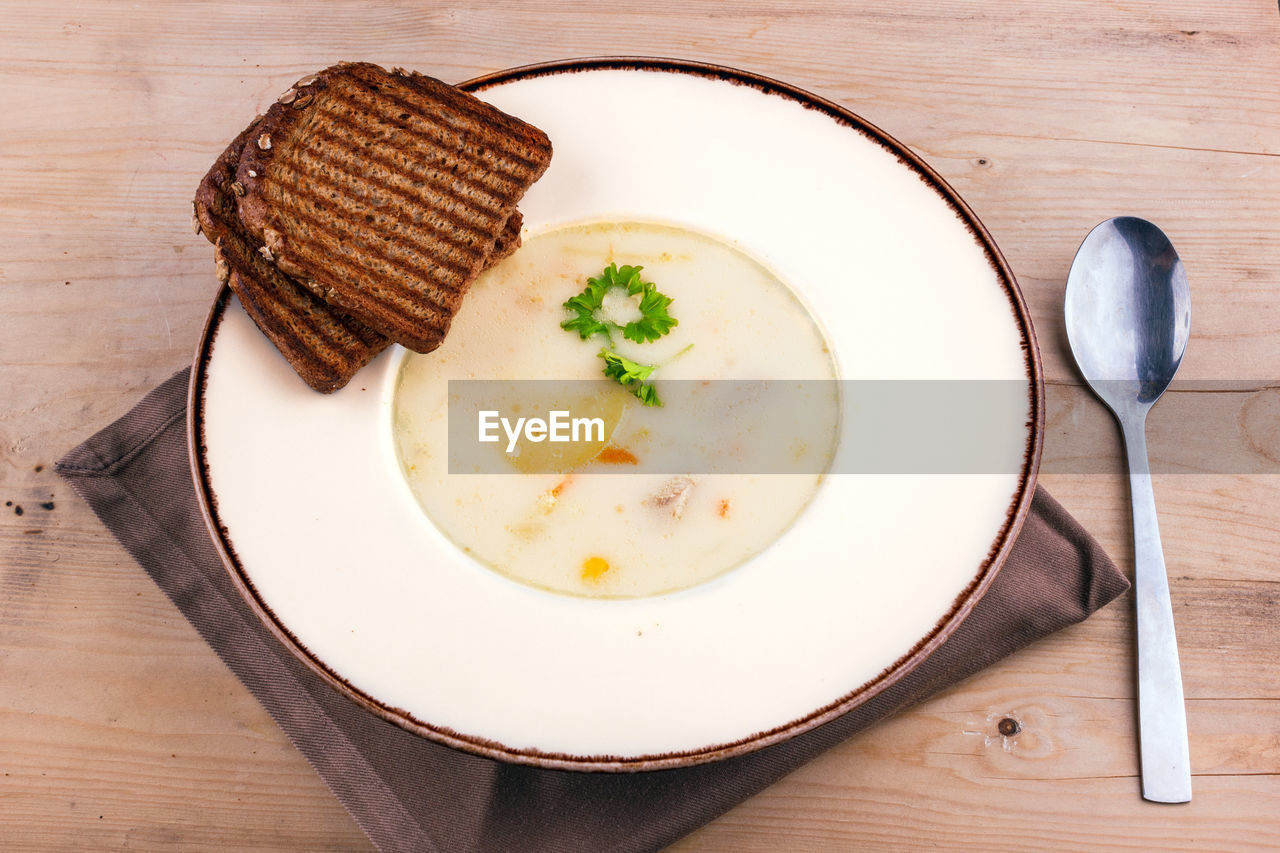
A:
(385, 194)
(323, 345)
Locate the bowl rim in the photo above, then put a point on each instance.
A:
(962, 605)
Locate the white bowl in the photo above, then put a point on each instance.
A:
(305, 499)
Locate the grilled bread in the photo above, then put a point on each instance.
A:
(385, 194)
(323, 345)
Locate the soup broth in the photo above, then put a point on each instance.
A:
(587, 518)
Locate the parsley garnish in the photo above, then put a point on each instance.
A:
(631, 375)
(584, 305)
(654, 322)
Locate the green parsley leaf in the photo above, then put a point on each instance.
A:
(654, 320)
(584, 307)
(631, 375)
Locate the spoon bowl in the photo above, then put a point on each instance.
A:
(1128, 312)
(1128, 315)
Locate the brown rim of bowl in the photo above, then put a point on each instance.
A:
(961, 607)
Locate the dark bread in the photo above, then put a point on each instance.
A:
(323, 345)
(509, 240)
(385, 194)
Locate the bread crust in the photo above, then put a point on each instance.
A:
(324, 346)
(385, 194)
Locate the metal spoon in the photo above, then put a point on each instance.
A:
(1128, 313)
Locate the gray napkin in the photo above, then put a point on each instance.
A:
(409, 794)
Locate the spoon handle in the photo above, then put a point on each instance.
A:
(1162, 716)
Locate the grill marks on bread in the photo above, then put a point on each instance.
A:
(387, 193)
(398, 183)
(325, 347)
(327, 168)
(500, 173)
(305, 330)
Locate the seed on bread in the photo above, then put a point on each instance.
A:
(287, 96)
(264, 141)
(272, 239)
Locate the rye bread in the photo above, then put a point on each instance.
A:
(385, 194)
(324, 346)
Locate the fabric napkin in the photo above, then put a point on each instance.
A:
(409, 794)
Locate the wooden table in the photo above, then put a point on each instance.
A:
(120, 729)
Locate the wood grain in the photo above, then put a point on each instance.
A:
(119, 728)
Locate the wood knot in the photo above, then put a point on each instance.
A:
(1009, 727)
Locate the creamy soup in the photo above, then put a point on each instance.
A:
(591, 517)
